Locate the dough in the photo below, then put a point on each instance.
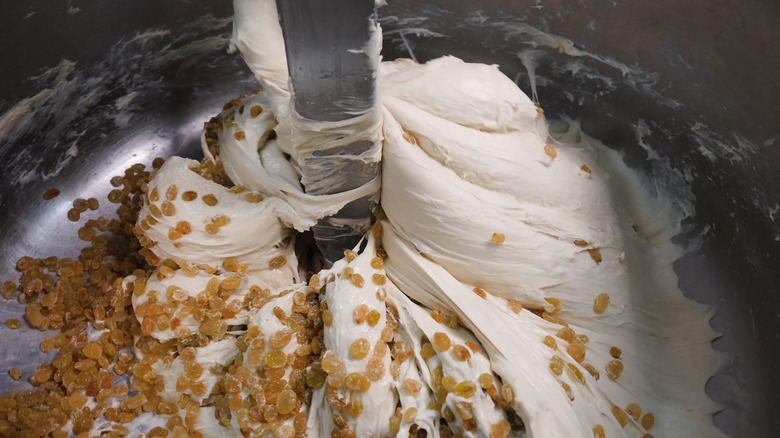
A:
(480, 295)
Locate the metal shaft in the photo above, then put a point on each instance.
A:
(333, 79)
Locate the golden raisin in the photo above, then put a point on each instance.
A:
(595, 254)
(508, 393)
(465, 389)
(585, 168)
(253, 197)
(615, 352)
(330, 363)
(592, 370)
(8, 290)
(480, 292)
(497, 238)
(286, 401)
(485, 380)
(41, 375)
(556, 365)
(209, 200)
(451, 321)
(515, 306)
(171, 193)
(412, 386)
(357, 382)
(255, 111)
(360, 313)
(281, 338)
(648, 420)
(315, 378)
(327, 318)
(574, 373)
(168, 208)
(87, 233)
(441, 341)
(116, 196)
(275, 359)
(549, 150)
(620, 415)
(51, 193)
(154, 195)
(410, 415)
(614, 369)
(93, 350)
(231, 283)
(277, 262)
(601, 302)
(47, 344)
(634, 411)
(360, 348)
(500, 429)
(567, 334)
(15, 373)
(567, 389)
(184, 228)
(373, 317)
(174, 234)
(461, 353)
(395, 425)
(357, 280)
(378, 279)
(576, 351)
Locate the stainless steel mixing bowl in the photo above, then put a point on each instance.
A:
(686, 90)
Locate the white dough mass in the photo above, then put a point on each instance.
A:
(476, 304)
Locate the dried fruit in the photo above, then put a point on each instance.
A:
(461, 353)
(275, 359)
(601, 302)
(620, 415)
(648, 420)
(441, 341)
(634, 411)
(410, 415)
(614, 369)
(595, 254)
(576, 351)
(465, 389)
(360, 348)
(51, 193)
(209, 200)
